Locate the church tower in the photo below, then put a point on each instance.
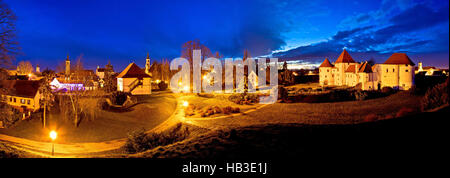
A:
(67, 65)
(147, 64)
(38, 69)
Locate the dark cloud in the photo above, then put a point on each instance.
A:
(412, 30)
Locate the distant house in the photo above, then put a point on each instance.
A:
(72, 79)
(61, 84)
(429, 70)
(23, 95)
(134, 80)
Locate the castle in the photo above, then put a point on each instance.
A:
(396, 72)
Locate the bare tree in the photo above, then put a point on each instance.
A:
(47, 97)
(8, 44)
(188, 47)
(78, 65)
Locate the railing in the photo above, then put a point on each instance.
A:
(134, 84)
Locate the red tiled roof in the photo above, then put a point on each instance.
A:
(345, 58)
(399, 58)
(366, 68)
(133, 71)
(326, 63)
(350, 68)
(22, 88)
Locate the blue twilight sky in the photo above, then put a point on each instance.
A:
(125, 30)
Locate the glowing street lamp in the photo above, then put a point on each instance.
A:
(53, 136)
(186, 89)
(185, 103)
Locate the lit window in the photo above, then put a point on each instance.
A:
(22, 101)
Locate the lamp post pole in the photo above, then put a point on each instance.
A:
(53, 136)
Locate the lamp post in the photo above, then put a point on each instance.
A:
(53, 136)
(185, 103)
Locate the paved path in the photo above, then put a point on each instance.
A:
(93, 149)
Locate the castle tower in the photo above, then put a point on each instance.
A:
(147, 64)
(38, 69)
(67, 65)
(420, 67)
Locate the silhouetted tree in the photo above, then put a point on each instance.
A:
(47, 97)
(8, 44)
(24, 67)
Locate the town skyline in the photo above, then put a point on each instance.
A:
(282, 30)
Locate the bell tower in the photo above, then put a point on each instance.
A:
(67, 65)
(147, 64)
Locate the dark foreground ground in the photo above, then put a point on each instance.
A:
(416, 142)
(424, 134)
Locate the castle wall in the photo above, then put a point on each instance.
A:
(397, 76)
(326, 76)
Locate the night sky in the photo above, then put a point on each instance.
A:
(125, 30)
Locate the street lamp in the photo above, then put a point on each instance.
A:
(185, 103)
(53, 136)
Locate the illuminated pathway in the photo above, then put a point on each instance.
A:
(90, 149)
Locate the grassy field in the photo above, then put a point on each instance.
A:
(412, 136)
(151, 112)
(349, 112)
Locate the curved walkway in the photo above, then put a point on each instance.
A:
(89, 149)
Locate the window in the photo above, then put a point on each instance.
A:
(393, 70)
(10, 99)
(406, 70)
(14, 100)
(387, 70)
(22, 101)
(28, 102)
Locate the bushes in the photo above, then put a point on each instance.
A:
(162, 86)
(4, 154)
(139, 141)
(283, 94)
(217, 110)
(360, 95)
(244, 98)
(371, 118)
(436, 96)
(9, 115)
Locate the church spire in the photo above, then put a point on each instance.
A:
(147, 64)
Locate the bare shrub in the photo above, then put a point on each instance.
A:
(139, 141)
(436, 96)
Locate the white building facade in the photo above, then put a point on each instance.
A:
(396, 72)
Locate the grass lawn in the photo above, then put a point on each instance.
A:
(349, 112)
(412, 136)
(153, 110)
